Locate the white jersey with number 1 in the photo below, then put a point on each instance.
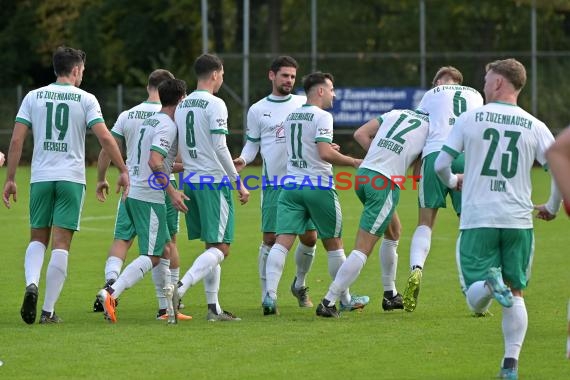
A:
(444, 104)
(157, 133)
(127, 127)
(265, 125)
(59, 115)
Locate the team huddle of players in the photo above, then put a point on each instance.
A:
(481, 155)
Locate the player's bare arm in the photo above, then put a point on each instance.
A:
(14, 154)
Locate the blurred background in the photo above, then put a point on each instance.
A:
(381, 48)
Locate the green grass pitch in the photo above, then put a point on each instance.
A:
(440, 340)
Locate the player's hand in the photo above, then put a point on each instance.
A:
(239, 164)
(177, 198)
(2, 159)
(102, 190)
(10, 188)
(243, 195)
(124, 184)
(459, 185)
(356, 162)
(543, 213)
(335, 147)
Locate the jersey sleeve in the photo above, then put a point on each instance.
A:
(93, 114)
(545, 140)
(253, 130)
(219, 118)
(163, 139)
(119, 127)
(24, 115)
(454, 143)
(324, 130)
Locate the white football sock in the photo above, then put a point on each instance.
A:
(335, 260)
(161, 277)
(174, 276)
(261, 262)
(515, 324)
(113, 267)
(346, 275)
(212, 287)
(55, 278)
(479, 297)
(389, 264)
(304, 256)
(201, 267)
(33, 262)
(274, 268)
(419, 248)
(133, 273)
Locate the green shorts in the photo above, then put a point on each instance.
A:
(56, 203)
(147, 221)
(511, 249)
(432, 192)
(269, 202)
(172, 214)
(379, 204)
(210, 215)
(298, 207)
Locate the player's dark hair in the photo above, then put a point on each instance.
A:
(158, 76)
(283, 61)
(65, 59)
(206, 64)
(171, 91)
(314, 79)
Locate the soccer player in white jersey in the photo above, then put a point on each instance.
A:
(145, 209)
(2, 159)
(126, 132)
(265, 130)
(394, 141)
(501, 141)
(308, 190)
(558, 156)
(58, 116)
(209, 173)
(443, 103)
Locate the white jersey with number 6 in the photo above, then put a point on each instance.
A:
(444, 104)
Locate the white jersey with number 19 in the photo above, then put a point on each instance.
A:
(501, 143)
(59, 115)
